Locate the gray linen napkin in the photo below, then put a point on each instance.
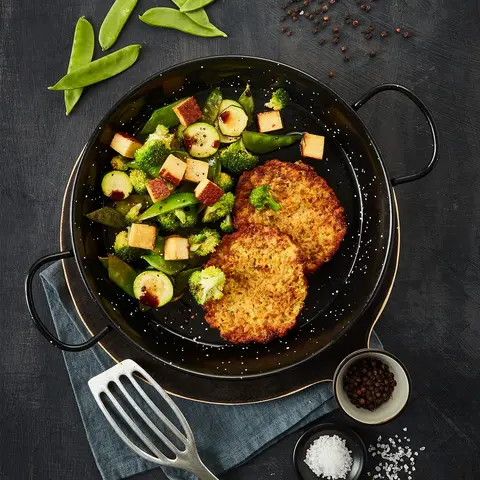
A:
(226, 436)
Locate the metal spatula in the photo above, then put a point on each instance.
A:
(185, 458)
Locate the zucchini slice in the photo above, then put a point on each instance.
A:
(153, 288)
(224, 138)
(228, 102)
(116, 185)
(180, 130)
(232, 121)
(201, 140)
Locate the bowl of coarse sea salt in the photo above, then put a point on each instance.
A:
(329, 451)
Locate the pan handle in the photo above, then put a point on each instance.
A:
(431, 123)
(36, 317)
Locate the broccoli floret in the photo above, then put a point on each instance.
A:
(162, 134)
(124, 251)
(236, 158)
(225, 182)
(139, 181)
(217, 211)
(279, 100)
(207, 284)
(204, 242)
(119, 163)
(132, 215)
(261, 197)
(226, 226)
(187, 216)
(169, 222)
(151, 154)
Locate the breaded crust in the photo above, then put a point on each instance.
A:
(310, 211)
(265, 285)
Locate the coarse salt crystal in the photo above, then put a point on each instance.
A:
(328, 456)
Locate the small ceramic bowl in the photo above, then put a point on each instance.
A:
(388, 410)
(352, 440)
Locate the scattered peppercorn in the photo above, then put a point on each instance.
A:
(325, 8)
(325, 24)
(332, 2)
(335, 40)
(398, 30)
(306, 2)
(284, 29)
(372, 53)
(355, 23)
(297, 10)
(368, 36)
(370, 28)
(406, 34)
(323, 41)
(369, 383)
(343, 49)
(325, 18)
(331, 74)
(348, 20)
(282, 19)
(290, 33)
(315, 30)
(383, 34)
(335, 30)
(346, 59)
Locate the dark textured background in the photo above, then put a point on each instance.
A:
(431, 322)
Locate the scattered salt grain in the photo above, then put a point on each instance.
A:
(328, 456)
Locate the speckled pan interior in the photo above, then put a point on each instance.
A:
(338, 293)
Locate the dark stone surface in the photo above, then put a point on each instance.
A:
(431, 322)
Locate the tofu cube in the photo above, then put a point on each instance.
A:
(173, 170)
(312, 146)
(176, 248)
(158, 189)
(142, 236)
(208, 192)
(196, 170)
(269, 121)
(188, 111)
(125, 144)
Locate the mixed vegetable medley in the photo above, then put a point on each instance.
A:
(173, 193)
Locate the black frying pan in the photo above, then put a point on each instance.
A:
(339, 292)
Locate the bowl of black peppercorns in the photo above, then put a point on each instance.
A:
(371, 386)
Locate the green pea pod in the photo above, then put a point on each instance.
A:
(123, 206)
(121, 274)
(81, 54)
(198, 16)
(169, 267)
(191, 5)
(259, 143)
(214, 168)
(159, 246)
(114, 22)
(181, 281)
(98, 70)
(107, 216)
(172, 18)
(211, 109)
(104, 261)
(174, 201)
(246, 101)
(161, 116)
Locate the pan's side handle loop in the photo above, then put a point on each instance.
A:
(431, 123)
(36, 317)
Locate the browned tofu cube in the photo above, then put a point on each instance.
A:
(125, 144)
(312, 146)
(188, 111)
(158, 189)
(196, 170)
(142, 236)
(176, 248)
(173, 170)
(208, 192)
(269, 121)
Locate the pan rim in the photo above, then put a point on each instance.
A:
(372, 144)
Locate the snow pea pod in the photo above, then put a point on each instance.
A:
(107, 216)
(121, 274)
(198, 16)
(169, 267)
(161, 116)
(211, 109)
(98, 70)
(171, 18)
(246, 101)
(264, 143)
(174, 201)
(190, 5)
(114, 22)
(81, 54)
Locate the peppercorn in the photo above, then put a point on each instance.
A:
(383, 34)
(325, 8)
(282, 19)
(335, 40)
(323, 41)
(406, 34)
(290, 33)
(370, 28)
(355, 23)
(294, 18)
(290, 12)
(343, 49)
(306, 2)
(332, 2)
(325, 18)
(331, 74)
(297, 10)
(315, 30)
(347, 59)
(368, 36)
(335, 30)
(284, 29)
(398, 30)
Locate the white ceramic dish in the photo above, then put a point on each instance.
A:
(385, 412)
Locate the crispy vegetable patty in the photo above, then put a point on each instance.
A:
(265, 285)
(309, 209)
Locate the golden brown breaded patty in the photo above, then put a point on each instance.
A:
(310, 211)
(265, 285)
